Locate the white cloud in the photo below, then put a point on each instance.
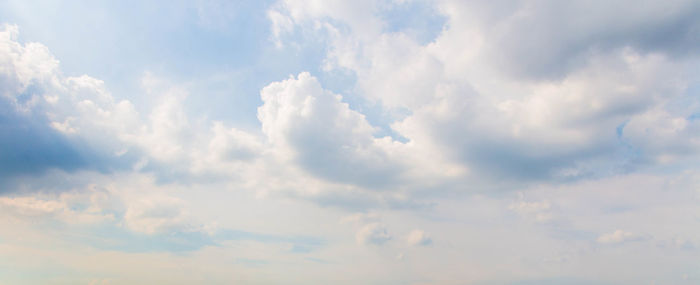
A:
(361, 218)
(665, 137)
(539, 211)
(468, 108)
(620, 236)
(505, 97)
(314, 128)
(77, 121)
(418, 238)
(75, 207)
(154, 214)
(373, 233)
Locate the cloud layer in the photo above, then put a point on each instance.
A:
(394, 142)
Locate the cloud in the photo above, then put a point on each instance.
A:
(590, 109)
(477, 98)
(664, 137)
(620, 236)
(51, 121)
(324, 136)
(418, 238)
(602, 29)
(44, 123)
(153, 214)
(538, 211)
(82, 205)
(62, 209)
(373, 233)
(29, 146)
(361, 218)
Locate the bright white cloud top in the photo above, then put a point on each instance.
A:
(350, 142)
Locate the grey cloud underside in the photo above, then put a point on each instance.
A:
(29, 146)
(327, 138)
(540, 42)
(333, 161)
(548, 39)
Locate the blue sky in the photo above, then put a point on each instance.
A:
(349, 142)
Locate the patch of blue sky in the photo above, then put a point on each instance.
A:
(300, 248)
(620, 129)
(221, 53)
(342, 81)
(628, 153)
(377, 115)
(304, 51)
(306, 242)
(418, 19)
(693, 99)
(112, 237)
(694, 116)
(119, 41)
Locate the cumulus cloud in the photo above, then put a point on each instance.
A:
(418, 238)
(51, 121)
(127, 202)
(373, 233)
(536, 96)
(504, 111)
(323, 135)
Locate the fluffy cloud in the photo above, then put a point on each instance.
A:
(373, 233)
(148, 210)
(71, 207)
(664, 137)
(369, 228)
(504, 110)
(56, 122)
(418, 238)
(563, 102)
(323, 135)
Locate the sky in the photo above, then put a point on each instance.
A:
(350, 142)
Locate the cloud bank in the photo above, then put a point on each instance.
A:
(394, 142)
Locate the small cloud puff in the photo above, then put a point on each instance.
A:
(538, 211)
(620, 236)
(373, 233)
(418, 238)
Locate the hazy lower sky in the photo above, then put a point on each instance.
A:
(350, 142)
